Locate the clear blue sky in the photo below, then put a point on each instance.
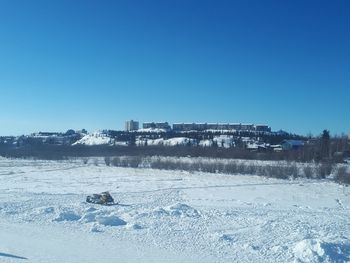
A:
(94, 64)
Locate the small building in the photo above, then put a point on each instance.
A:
(7, 139)
(131, 125)
(46, 134)
(276, 147)
(292, 144)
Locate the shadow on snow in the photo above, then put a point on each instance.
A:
(11, 256)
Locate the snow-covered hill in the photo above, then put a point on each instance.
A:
(152, 130)
(221, 141)
(97, 138)
(101, 138)
(166, 216)
(166, 142)
(225, 141)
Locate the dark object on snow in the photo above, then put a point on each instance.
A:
(102, 199)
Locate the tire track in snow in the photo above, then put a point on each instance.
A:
(210, 186)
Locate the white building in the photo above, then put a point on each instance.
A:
(131, 125)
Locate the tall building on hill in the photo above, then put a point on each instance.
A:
(131, 125)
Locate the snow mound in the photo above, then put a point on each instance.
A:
(95, 138)
(182, 210)
(44, 210)
(95, 229)
(158, 212)
(179, 210)
(67, 216)
(110, 220)
(90, 216)
(314, 250)
(101, 218)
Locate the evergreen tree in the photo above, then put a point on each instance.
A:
(132, 140)
(325, 144)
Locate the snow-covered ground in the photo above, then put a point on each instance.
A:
(166, 142)
(167, 216)
(98, 138)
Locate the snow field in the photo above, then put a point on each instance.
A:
(167, 216)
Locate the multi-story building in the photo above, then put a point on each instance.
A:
(247, 127)
(213, 126)
(262, 128)
(156, 125)
(131, 125)
(207, 126)
(184, 127)
(234, 126)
